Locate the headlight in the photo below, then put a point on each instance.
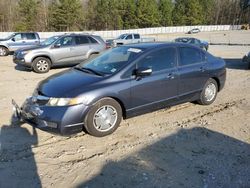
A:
(25, 52)
(67, 101)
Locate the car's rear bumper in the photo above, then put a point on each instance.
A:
(57, 119)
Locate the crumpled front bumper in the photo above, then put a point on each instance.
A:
(57, 119)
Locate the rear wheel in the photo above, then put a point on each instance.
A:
(209, 92)
(3, 51)
(41, 65)
(103, 118)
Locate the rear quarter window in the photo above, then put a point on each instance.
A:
(92, 40)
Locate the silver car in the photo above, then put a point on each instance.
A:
(63, 50)
(18, 40)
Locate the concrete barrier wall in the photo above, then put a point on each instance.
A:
(145, 31)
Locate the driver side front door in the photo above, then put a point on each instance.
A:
(158, 89)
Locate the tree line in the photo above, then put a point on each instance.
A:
(77, 15)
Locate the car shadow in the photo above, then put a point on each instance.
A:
(22, 68)
(26, 69)
(235, 63)
(196, 157)
(18, 166)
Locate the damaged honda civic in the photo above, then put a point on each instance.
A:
(123, 82)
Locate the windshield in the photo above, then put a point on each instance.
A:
(112, 60)
(122, 36)
(49, 41)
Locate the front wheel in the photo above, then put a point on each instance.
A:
(209, 92)
(3, 51)
(103, 118)
(41, 65)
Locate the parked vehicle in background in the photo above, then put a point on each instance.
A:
(18, 40)
(63, 50)
(195, 30)
(246, 59)
(129, 38)
(123, 82)
(199, 43)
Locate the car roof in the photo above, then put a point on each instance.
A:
(149, 45)
(154, 45)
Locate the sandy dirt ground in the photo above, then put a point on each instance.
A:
(184, 146)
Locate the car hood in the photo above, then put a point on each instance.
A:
(31, 48)
(69, 83)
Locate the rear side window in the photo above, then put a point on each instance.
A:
(159, 60)
(81, 40)
(30, 36)
(189, 56)
(137, 36)
(93, 41)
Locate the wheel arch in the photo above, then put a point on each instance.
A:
(117, 100)
(218, 83)
(45, 56)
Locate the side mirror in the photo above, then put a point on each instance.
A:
(13, 39)
(57, 45)
(143, 71)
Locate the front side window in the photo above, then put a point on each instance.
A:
(81, 40)
(65, 41)
(112, 60)
(189, 56)
(129, 37)
(159, 60)
(18, 37)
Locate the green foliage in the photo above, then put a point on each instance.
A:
(166, 9)
(147, 13)
(65, 15)
(73, 15)
(26, 11)
(188, 12)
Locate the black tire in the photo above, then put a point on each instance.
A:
(91, 120)
(204, 100)
(249, 65)
(4, 51)
(45, 67)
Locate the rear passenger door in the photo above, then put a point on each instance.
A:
(31, 39)
(81, 48)
(159, 87)
(192, 69)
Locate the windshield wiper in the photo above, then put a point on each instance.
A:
(88, 70)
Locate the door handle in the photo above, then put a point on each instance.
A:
(170, 76)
